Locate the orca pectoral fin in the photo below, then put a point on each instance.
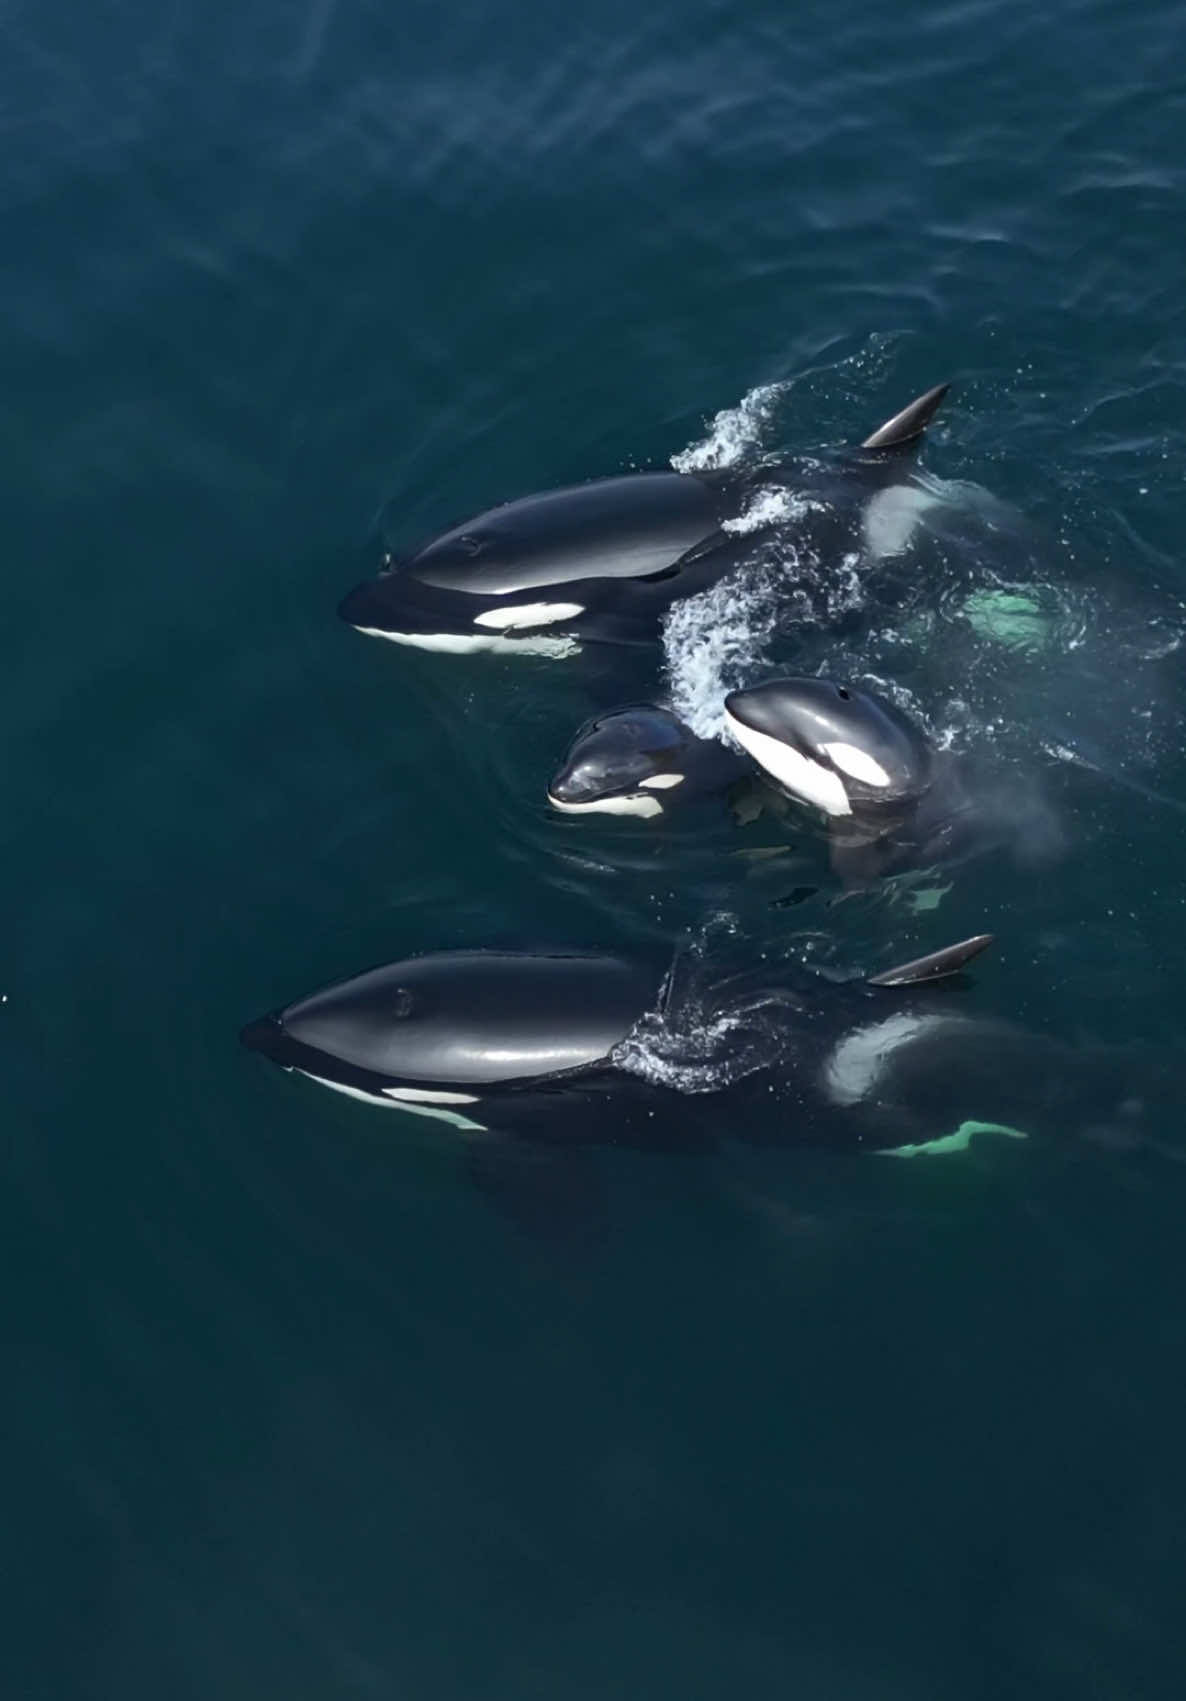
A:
(906, 426)
(937, 966)
(552, 1194)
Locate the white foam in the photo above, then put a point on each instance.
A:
(696, 1053)
(711, 644)
(771, 505)
(466, 643)
(529, 614)
(732, 433)
(693, 1045)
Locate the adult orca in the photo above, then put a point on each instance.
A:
(573, 1050)
(891, 798)
(595, 562)
(640, 760)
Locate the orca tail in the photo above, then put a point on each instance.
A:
(937, 966)
(906, 427)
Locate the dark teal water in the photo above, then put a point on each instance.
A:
(293, 1413)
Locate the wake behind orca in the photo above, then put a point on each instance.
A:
(600, 562)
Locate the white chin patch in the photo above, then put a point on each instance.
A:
(630, 804)
(529, 614)
(858, 763)
(405, 1098)
(802, 777)
(663, 782)
(466, 643)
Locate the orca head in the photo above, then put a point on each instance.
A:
(847, 751)
(622, 763)
(438, 1029)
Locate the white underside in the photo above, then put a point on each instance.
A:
(465, 643)
(797, 773)
(529, 614)
(401, 1098)
(958, 1141)
(631, 804)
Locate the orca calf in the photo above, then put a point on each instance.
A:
(596, 562)
(892, 800)
(640, 760)
(573, 1050)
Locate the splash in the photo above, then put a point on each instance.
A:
(697, 1053)
(772, 505)
(733, 432)
(711, 645)
(711, 1029)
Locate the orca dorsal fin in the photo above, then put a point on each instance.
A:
(937, 966)
(913, 420)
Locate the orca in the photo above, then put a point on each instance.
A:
(892, 800)
(599, 562)
(573, 1049)
(640, 760)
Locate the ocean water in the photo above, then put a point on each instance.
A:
(292, 1411)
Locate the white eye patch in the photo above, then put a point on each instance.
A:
(528, 614)
(660, 782)
(858, 763)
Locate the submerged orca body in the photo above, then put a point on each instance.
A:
(594, 563)
(891, 799)
(553, 1049)
(640, 760)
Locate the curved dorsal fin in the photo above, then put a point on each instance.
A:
(913, 420)
(936, 966)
